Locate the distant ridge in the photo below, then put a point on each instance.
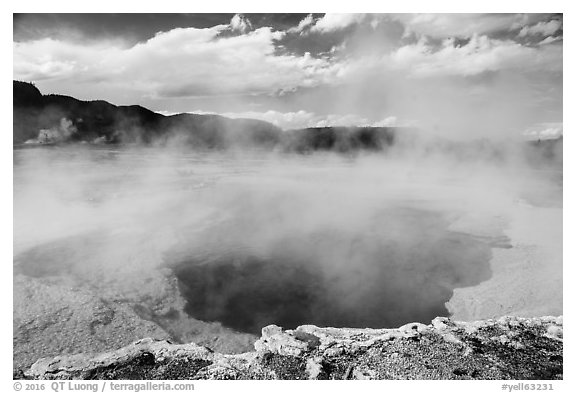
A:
(62, 119)
(58, 119)
(102, 122)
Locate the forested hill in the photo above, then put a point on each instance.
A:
(53, 118)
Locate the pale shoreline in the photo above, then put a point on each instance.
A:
(526, 278)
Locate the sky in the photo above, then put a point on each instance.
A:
(457, 75)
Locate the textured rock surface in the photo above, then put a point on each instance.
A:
(101, 292)
(506, 348)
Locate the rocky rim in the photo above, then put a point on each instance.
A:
(504, 348)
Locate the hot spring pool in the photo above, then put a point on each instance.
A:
(113, 245)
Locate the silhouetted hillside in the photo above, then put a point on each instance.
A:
(26, 94)
(339, 139)
(549, 151)
(61, 119)
(57, 118)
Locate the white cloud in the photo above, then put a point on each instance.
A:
(52, 59)
(428, 59)
(333, 22)
(463, 25)
(240, 23)
(201, 62)
(284, 120)
(180, 62)
(549, 40)
(353, 120)
(479, 55)
(438, 25)
(304, 119)
(304, 23)
(545, 131)
(301, 119)
(541, 28)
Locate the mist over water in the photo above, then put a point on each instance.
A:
(375, 276)
(253, 239)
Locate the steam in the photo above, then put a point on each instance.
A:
(362, 236)
(60, 133)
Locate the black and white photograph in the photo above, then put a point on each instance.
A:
(287, 196)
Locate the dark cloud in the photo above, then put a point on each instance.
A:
(132, 28)
(277, 21)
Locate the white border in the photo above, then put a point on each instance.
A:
(64, 6)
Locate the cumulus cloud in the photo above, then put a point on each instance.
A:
(439, 25)
(427, 58)
(549, 40)
(191, 62)
(304, 24)
(303, 119)
(545, 131)
(53, 59)
(541, 28)
(177, 63)
(333, 22)
(353, 120)
(284, 120)
(462, 25)
(240, 23)
(480, 54)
